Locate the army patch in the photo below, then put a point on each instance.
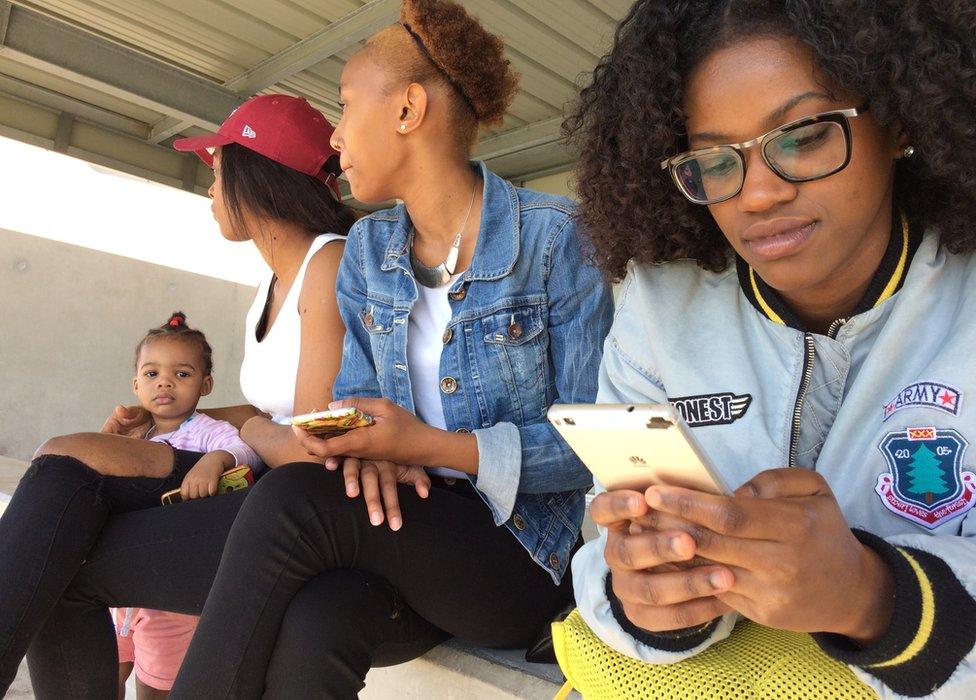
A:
(712, 409)
(925, 481)
(935, 395)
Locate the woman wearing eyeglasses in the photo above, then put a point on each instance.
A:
(796, 185)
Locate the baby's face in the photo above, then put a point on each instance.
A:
(169, 377)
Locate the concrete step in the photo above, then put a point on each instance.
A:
(460, 671)
(21, 689)
(453, 671)
(10, 472)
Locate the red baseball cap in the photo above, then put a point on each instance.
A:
(288, 130)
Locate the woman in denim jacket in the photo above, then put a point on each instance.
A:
(468, 305)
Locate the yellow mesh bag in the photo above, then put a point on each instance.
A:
(754, 662)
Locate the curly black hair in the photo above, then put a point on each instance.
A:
(913, 61)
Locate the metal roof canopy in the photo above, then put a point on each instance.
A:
(113, 81)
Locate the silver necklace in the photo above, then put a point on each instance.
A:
(440, 275)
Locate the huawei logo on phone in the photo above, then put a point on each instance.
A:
(635, 460)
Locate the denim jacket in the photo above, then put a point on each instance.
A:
(528, 320)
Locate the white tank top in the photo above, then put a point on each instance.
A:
(269, 371)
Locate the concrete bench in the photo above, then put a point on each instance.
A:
(452, 671)
(456, 670)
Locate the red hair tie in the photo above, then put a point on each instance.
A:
(176, 322)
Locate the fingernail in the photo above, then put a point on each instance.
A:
(375, 518)
(677, 545)
(334, 405)
(636, 529)
(350, 489)
(395, 523)
(717, 580)
(653, 498)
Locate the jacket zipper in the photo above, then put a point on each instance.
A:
(809, 351)
(835, 327)
(801, 394)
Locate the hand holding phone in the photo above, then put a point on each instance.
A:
(636, 446)
(233, 479)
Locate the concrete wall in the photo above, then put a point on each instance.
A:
(553, 184)
(69, 321)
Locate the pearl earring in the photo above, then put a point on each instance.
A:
(403, 127)
(909, 151)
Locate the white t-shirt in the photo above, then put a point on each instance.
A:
(429, 318)
(269, 371)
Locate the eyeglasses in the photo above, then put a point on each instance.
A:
(803, 150)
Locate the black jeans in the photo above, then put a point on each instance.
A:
(308, 594)
(50, 529)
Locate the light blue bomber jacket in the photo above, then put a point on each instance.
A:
(884, 406)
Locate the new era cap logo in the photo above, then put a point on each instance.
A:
(248, 132)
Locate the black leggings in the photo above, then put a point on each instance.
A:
(308, 594)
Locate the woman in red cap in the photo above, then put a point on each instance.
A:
(275, 185)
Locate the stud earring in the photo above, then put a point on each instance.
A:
(403, 127)
(909, 151)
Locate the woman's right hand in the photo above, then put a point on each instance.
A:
(655, 596)
(130, 421)
(377, 480)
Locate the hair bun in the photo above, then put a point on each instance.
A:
(472, 58)
(176, 320)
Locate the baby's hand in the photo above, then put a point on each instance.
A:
(201, 480)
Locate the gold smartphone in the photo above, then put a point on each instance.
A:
(636, 446)
(234, 479)
(325, 424)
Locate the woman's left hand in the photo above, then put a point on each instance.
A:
(795, 562)
(378, 481)
(396, 435)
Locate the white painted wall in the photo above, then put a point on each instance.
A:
(70, 318)
(558, 183)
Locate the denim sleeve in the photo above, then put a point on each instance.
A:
(357, 374)
(533, 458)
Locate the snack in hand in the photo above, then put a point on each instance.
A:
(333, 422)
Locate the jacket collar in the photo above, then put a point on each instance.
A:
(497, 249)
(887, 280)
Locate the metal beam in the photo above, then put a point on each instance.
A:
(35, 94)
(311, 50)
(523, 138)
(546, 172)
(66, 51)
(4, 20)
(190, 165)
(41, 139)
(62, 140)
(326, 42)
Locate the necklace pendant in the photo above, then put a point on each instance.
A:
(431, 277)
(452, 255)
